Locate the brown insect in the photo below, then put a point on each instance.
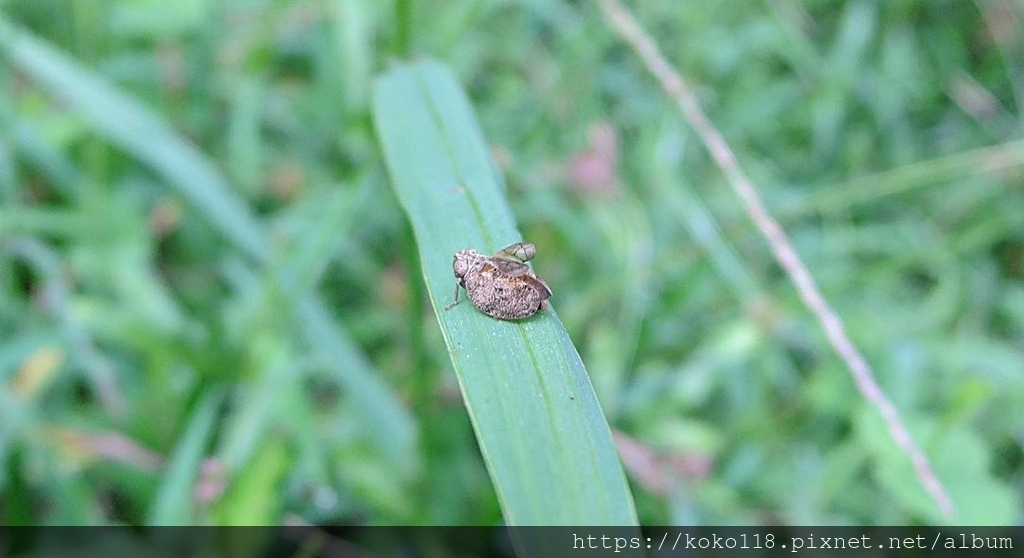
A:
(501, 285)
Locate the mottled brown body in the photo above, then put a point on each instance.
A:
(501, 285)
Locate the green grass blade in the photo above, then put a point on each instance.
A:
(172, 504)
(143, 134)
(137, 130)
(543, 436)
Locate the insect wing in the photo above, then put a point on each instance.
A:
(520, 252)
(512, 268)
(512, 259)
(540, 286)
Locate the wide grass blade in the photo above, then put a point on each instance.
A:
(543, 436)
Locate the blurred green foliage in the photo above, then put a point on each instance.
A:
(212, 311)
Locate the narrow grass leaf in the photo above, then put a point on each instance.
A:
(1005, 159)
(143, 134)
(543, 436)
(137, 130)
(173, 502)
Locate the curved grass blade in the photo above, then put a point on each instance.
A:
(172, 504)
(543, 436)
(146, 136)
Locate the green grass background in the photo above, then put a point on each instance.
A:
(212, 303)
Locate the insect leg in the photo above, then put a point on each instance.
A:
(452, 305)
